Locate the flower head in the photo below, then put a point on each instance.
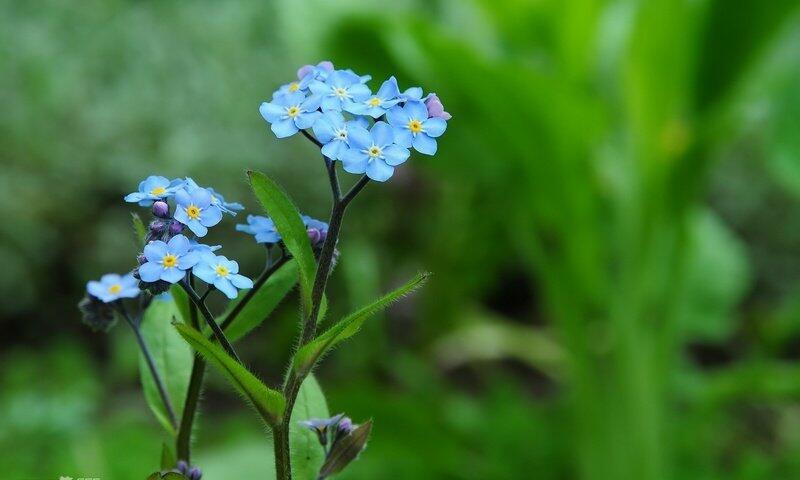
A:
(321, 426)
(339, 89)
(196, 210)
(222, 273)
(331, 130)
(376, 105)
(168, 261)
(290, 113)
(263, 228)
(113, 287)
(414, 127)
(153, 188)
(374, 152)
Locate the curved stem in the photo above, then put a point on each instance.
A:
(210, 321)
(151, 365)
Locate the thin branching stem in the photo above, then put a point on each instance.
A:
(218, 333)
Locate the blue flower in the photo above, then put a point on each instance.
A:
(216, 198)
(196, 210)
(413, 127)
(376, 105)
(112, 287)
(202, 248)
(331, 130)
(318, 72)
(167, 261)
(263, 228)
(222, 273)
(339, 89)
(373, 152)
(410, 94)
(300, 85)
(317, 230)
(154, 188)
(290, 113)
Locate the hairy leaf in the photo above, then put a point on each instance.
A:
(139, 230)
(346, 450)
(268, 402)
(307, 453)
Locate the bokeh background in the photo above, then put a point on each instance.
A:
(613, 220)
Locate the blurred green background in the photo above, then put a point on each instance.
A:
(612, 219)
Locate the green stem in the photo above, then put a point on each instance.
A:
(218, 333)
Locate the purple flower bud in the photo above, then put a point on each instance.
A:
(314, 235)
(194, 473)
(161, 209)
(435, 107)
(183, 467)
(326, 65)
(157, 226)
(175, 228)
(346, 425)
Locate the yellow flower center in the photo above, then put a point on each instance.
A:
(415, 126)
(115, 289)
(294, 86)
(193, 211)
(374, 102)
(340, 92)
(169, 260)
(221, 270)
(158, 191)
(374, 151)
(293, 111)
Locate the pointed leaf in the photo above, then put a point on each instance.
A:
(181, 299)
(290, 225)
(307, 454)
(268, 402)
(172, 357)
(139, 230)
(307, 356)
(346, 450)
(168, 459)
(263, 302)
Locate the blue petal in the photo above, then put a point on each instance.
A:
(434, 127)
(319, 88)
(211, 216)
(181, 215)
(359, 108)
(311, 103)
(197, 228)
(189, 260)
(154, 251)
(271, 112)
(201, 198)
(178, 245)
(240, 281)
(359, 92)
(135, 197)
(130, 292)
(331, 103)
(416, 110)
(150, 271)
(306, 120)
(382, 134)
(324, 128)
(424, 144)
(334, 150)
(354, 161)
(359, 138)
(403, 137)
(172, 275)
(396, 155)
(379, 171)
(183, 198)
(204, 272)
(397, 117)
(225, 286)
(389, 89)
(284, 128)
(96, 289)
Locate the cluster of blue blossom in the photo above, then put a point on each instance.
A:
(380, 127)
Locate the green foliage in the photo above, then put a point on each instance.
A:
(307, 356)
(168, 459)
(171, 355)
(182, 303)
(268, 403)
(139, 230)
(346, 450)
(307, 454)
(289, 224)
(263, 302)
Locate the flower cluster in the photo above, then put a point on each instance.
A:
(370, 133)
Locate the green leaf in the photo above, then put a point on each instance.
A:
(268, 402)
(139, 230)
(307, 356)
(182, 302)
(346, 450)
(307, 453)
(168, 459)
(263, 302)
(290, 225)
(172, 357)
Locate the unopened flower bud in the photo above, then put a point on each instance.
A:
(175, 228)
(157, 226)
(345, 425)
(314, 235)
(161, 209)
(194, 473)
(183, 467)
(435, 107)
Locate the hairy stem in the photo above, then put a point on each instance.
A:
(151, 365)
(183, 441)
(218, 333)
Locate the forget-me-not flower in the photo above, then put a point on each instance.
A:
(154, 188)
(412, 93)
(414, 127)
(168, 261)
(373, 152)
(339, 89)
(263, 228)
(291, 112)
(196, 210)
(202, 248)
(112, 287)
(222, 273)
(331, 130)
(377, 105)
(216, 198)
